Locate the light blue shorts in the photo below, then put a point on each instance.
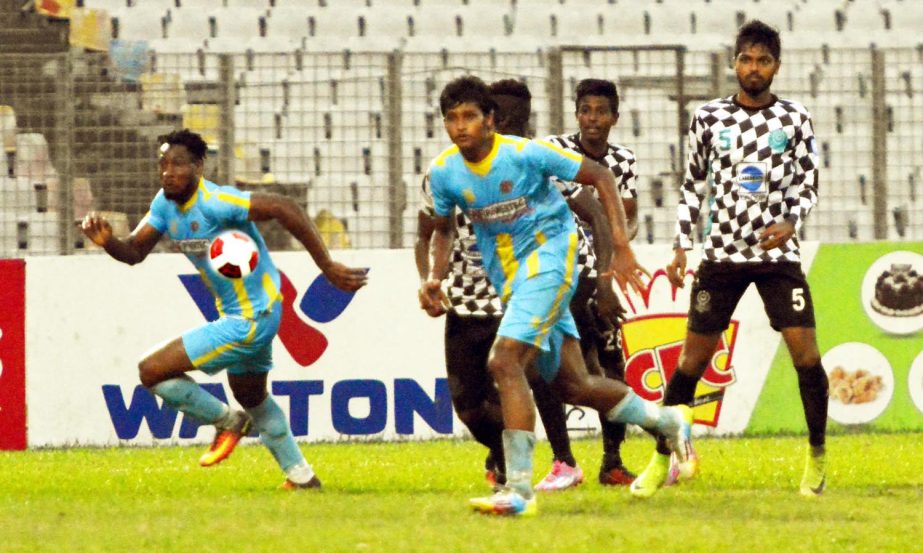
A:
(240, 345)
(538, 311)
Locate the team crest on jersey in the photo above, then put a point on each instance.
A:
(506, 187)
(194, 226)
(702, 301)
(468, 194)
(778, 140)
(174, 227)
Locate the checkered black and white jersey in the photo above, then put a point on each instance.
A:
(467, 286)
(621, 161)
(764, 167)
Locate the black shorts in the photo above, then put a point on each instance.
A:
(594, 332)
(467, 346)
(718, 287)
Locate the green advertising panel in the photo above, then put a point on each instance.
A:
(868, 300)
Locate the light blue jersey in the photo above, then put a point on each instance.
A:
(209, 212)
(508, 198)
(525, 232)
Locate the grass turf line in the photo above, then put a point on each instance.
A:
(413, 496)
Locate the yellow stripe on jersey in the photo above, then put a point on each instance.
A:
(440, 159)
(271, 291)
(540, 238)
(566, 153)
(251, 334)
(509, 263)
(517, 141)
(532, 264)
(481, 168)
(563, 289)
(219, 305)
(243, 298)
(232, 199)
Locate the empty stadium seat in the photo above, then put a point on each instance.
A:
(139, 23)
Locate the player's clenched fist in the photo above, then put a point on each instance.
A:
(432, 299)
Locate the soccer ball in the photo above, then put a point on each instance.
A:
(233, 254)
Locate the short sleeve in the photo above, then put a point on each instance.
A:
(554, 161)
(443, 203)
(157, 215)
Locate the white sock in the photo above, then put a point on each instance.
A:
(302, 473)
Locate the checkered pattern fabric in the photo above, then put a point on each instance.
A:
(764, 167)
(621, 161)
(467, 287)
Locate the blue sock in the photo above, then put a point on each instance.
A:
(184, 394)
(632, 409)
(277, 436)
(518, 446)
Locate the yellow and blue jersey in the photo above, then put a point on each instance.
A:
(509, 198)
(192, 226)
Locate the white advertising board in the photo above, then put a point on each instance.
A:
(89, 320)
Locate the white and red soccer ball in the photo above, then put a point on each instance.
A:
(233, 254)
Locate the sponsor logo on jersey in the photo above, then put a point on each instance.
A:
(751, 177)
(778, 140)
(502, 212)
(193, 246)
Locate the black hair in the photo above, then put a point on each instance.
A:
(466, 89)
(192, 141)
(755, 32)
(598, 87)
(514, 106)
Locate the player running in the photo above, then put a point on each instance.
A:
(192, 211)
(527, 238)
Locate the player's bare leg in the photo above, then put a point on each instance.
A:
(617, 402)
(508, 362)
(163, 371)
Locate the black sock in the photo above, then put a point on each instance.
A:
(815, 389)
(488, 432)
(554, 419)
(680, 391)
(613, 436)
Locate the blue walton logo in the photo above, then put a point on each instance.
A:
(751, 178)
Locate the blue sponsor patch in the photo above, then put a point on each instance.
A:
(751, 178)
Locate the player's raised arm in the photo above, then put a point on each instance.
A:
(264, 206)
(131, 250)
(625, 268)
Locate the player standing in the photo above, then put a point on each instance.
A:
(527, 238)
(761, 152)
(597, 112)
(192, 211)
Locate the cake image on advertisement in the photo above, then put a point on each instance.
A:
(899, 292)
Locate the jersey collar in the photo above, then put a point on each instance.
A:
(481, 168)
(195, 196)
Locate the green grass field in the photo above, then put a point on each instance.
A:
(395, 497)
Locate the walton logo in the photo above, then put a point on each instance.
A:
(322, 303)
